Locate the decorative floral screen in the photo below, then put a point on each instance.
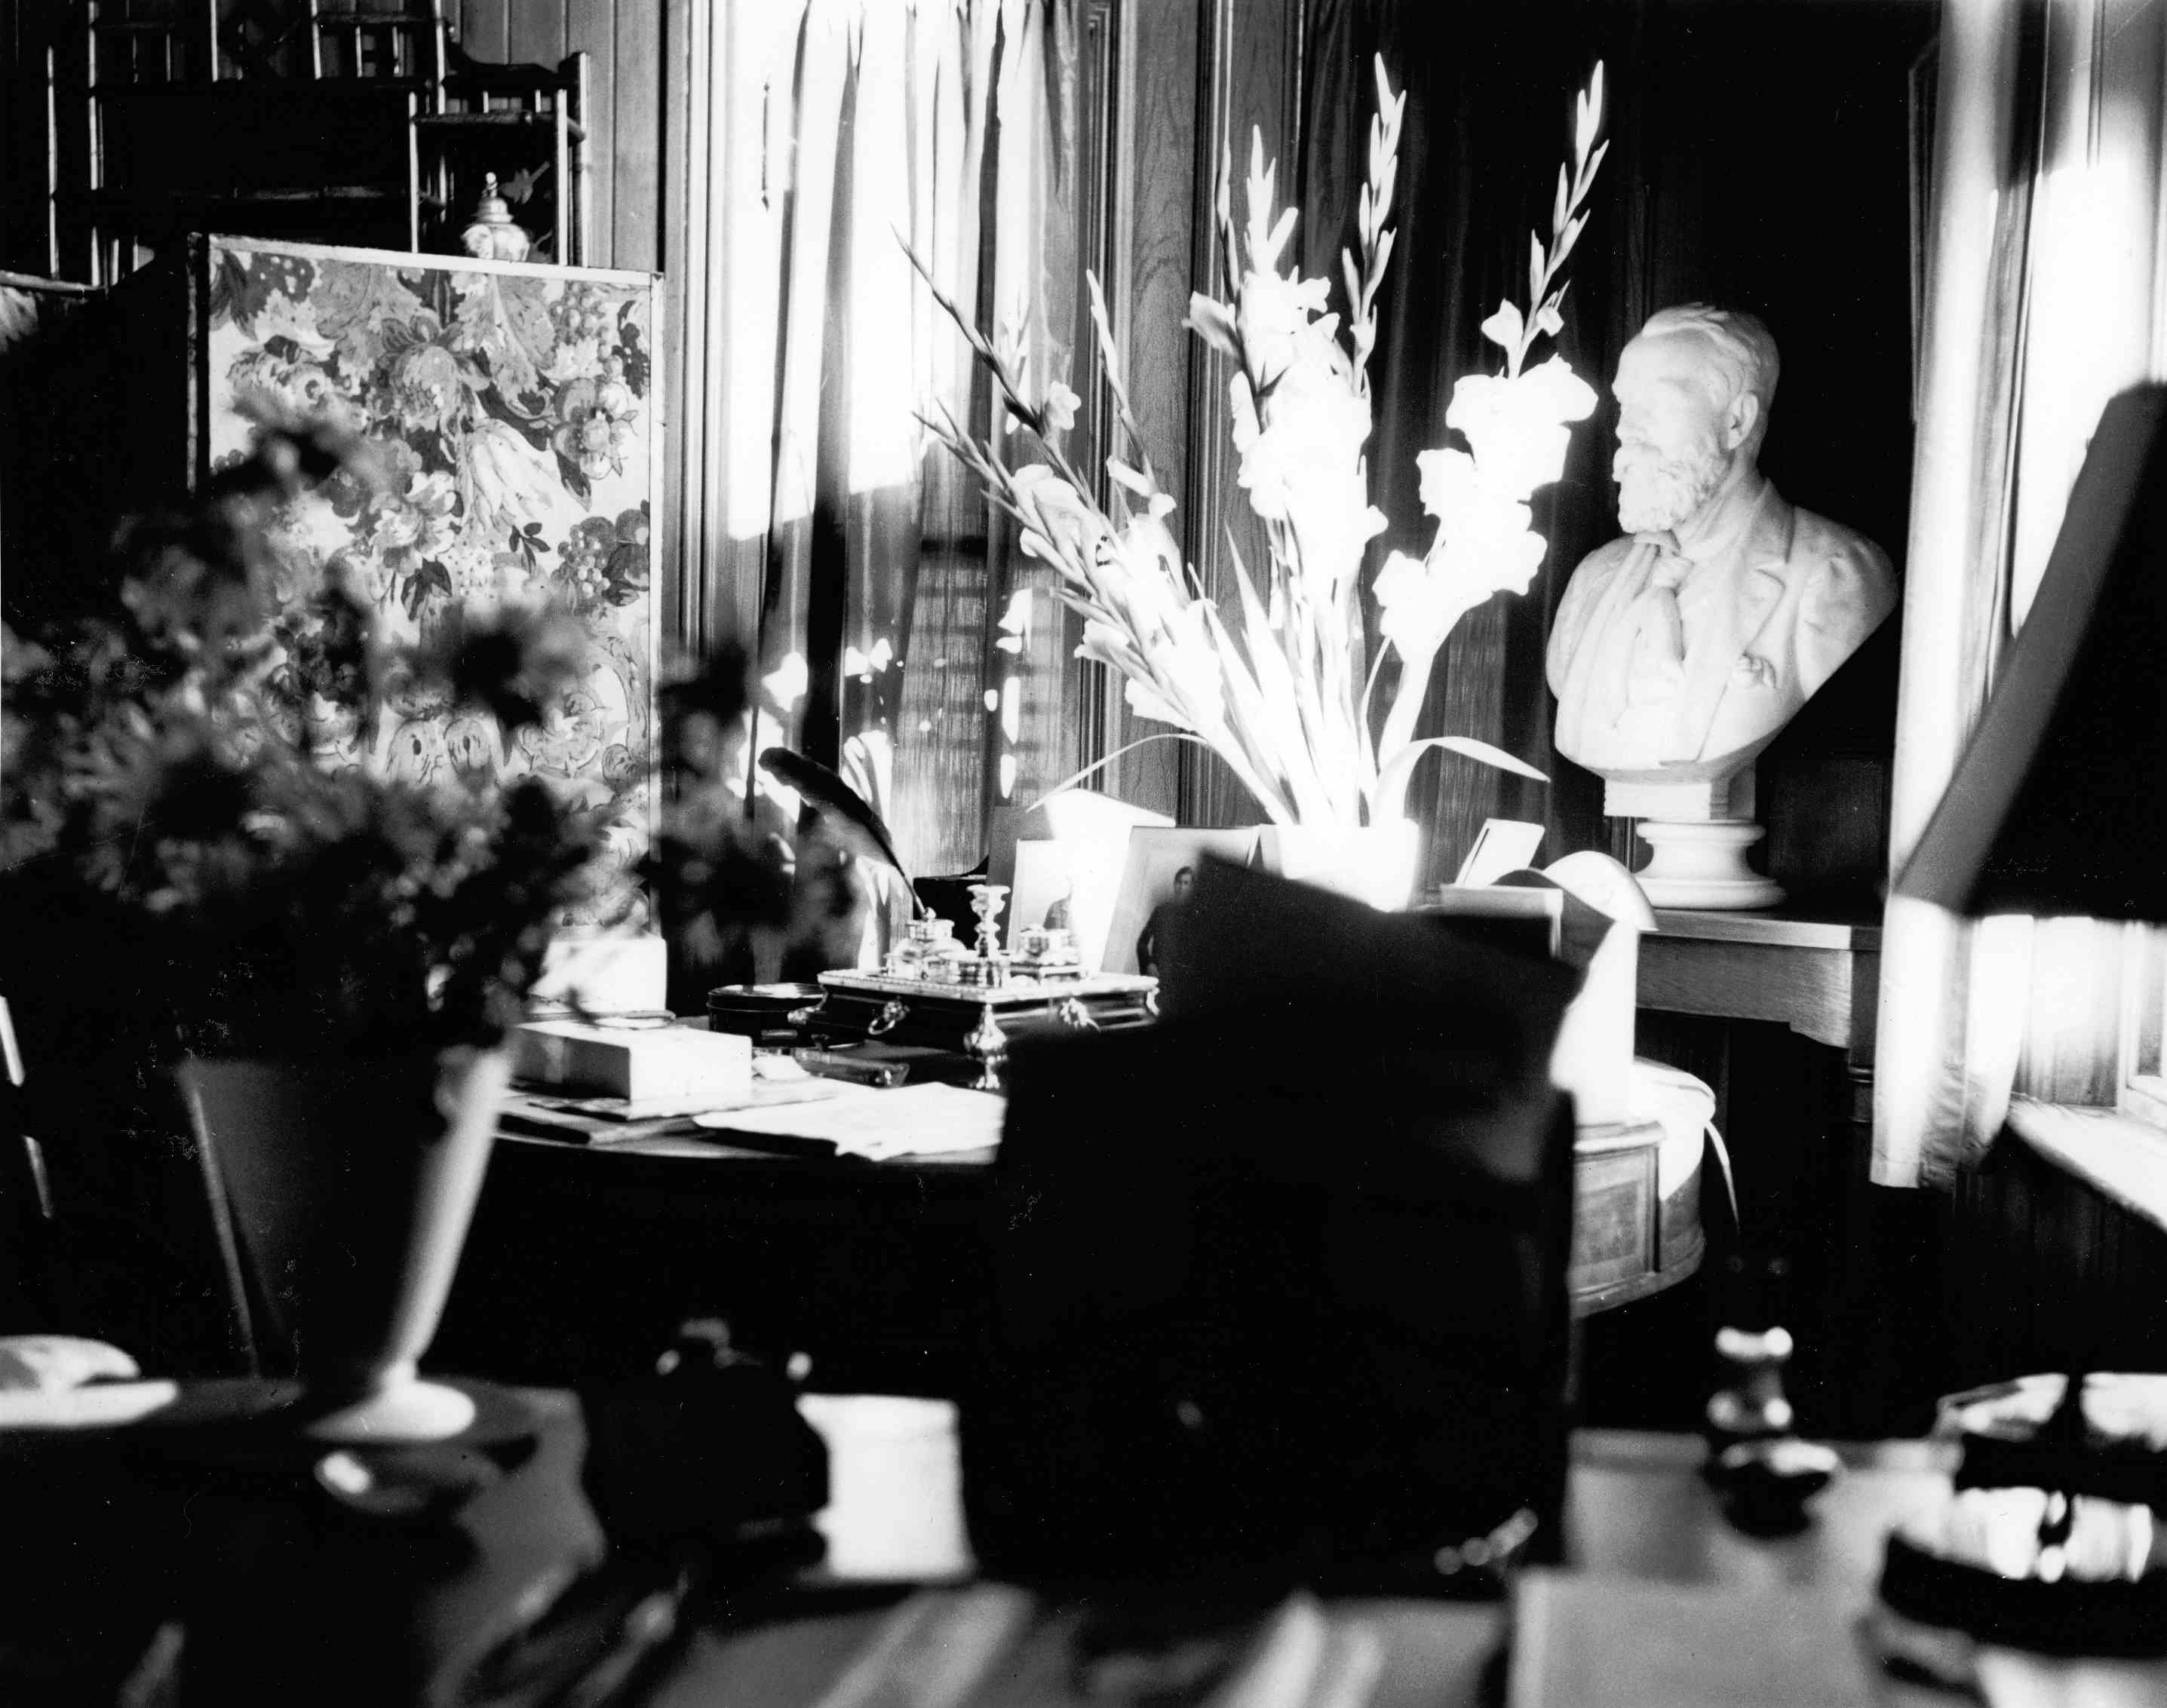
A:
(511, 407)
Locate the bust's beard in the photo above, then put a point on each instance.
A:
(1656, 493)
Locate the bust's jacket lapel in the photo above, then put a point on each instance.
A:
(1768, 582)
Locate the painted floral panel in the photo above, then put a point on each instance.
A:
(511, 412)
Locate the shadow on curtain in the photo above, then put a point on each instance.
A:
(860, 554)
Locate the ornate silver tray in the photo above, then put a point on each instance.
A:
(978, 1020)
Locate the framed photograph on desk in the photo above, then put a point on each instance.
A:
(1071, 885)
(1160, 865)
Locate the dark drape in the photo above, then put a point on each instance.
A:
(1758, 160)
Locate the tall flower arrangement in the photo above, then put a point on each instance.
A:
(1283, 685)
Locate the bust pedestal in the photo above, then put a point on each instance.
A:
(1698, 833)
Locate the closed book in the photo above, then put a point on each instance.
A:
(669, 1061)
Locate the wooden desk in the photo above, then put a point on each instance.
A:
(583, 1258)
(1636, 1504)
(1639, 1517)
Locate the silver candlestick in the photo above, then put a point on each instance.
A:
(986, 901)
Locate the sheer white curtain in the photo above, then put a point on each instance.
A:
(831, 532)
(2048, 235)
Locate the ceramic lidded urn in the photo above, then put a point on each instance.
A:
(492, 236)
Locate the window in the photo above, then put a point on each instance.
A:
(2143, 1088)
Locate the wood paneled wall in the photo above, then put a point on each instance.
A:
(1150, 186)
(1185, 83)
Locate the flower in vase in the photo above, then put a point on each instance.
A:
(1139, 572)
(1060, 407)
(1277, 320)
(1301, 459)
(1491, 549)
(1519, 426)
(1186, 658)
(1277, 680)
(1060, 525)
(1103, 643)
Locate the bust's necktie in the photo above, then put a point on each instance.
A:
(1654, 662)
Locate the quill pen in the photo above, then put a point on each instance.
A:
(828, 793)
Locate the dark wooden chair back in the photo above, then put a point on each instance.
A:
(1280, 1283)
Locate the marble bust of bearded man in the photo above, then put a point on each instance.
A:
(1681, 648)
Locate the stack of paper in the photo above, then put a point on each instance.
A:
(927, 1120)
(643, 1065)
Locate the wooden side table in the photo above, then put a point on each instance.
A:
(1819, 976)
(1798, 1115)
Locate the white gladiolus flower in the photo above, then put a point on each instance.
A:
(1273, 318)
(1305, 451)
(1410, 604)
(1192, 661)
(1187, 660)
(1494, 549)
(1065, 520)
(1102, 643)
(1486, 547)
(1517, 427)
(1270, 671)
(1448, 482)
(1139, 577)
(1145, 702)
(1060, 407)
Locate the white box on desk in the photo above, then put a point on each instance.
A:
(638, 1064)
(1593, 1056)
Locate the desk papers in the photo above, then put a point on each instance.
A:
(542, 1113)
(927, 1120)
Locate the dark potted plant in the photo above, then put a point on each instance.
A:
(335, 956)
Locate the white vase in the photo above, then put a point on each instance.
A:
(347, 1187)
(1371, 863)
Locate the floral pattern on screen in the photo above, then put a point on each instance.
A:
(511, 414)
